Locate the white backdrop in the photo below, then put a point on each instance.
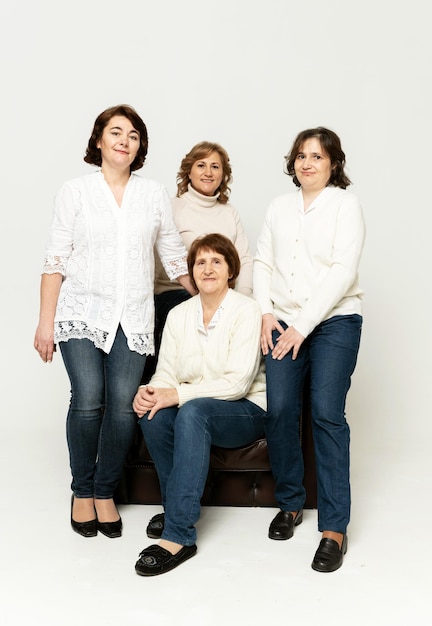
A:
(249, 75)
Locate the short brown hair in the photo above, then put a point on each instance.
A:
(201, 151)
(93, 154)
(220, 244)
(331, 145)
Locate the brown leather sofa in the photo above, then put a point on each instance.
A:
(237, 477)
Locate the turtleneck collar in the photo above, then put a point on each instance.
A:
(206, 202)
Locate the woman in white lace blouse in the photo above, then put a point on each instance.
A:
(97, 305)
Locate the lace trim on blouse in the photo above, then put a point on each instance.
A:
(55, 265)
(177, 267)
(74, 329)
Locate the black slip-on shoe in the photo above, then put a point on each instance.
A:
(155, 560)
(282, 526)
(329, 557)
(155, 526)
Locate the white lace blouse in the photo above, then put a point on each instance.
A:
(105, 254)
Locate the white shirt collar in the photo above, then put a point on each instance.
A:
(214, 320)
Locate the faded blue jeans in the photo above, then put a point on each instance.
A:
(329, 354)
(100, 422)
(179, 441)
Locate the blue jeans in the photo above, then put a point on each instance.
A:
(179, 441)
(329, 354)
(100, 422)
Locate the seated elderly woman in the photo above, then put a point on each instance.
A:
(208, 388)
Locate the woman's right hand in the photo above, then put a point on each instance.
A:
(269, 324)
(150, 399)
(44, 336)
(44, 342)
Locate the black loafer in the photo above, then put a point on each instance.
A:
(85, 529)
(282, 527)
(111, 529)
(155, 526)
(329, 557)
(155, 560)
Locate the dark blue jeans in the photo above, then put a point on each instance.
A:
(100, 422)
(329, 354)
(179, 441)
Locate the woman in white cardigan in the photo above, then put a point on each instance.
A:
(306, 282)
(208, 388)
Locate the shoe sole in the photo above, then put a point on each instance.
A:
(83, 534)
(110, 535)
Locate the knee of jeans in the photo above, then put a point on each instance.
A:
(158, 425)
(191, 416)
(86, 399)
(282, 409)
(122, 403)
(328, 409)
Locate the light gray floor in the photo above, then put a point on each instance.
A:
(52, 576)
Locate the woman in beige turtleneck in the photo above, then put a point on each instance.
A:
(201, 207)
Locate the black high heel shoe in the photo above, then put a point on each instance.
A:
(111, 529)
(85, 529)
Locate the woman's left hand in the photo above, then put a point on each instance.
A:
(150, 399)
(290, 339)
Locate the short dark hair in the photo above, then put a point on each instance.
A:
(93, 154)
(201, 151)
(220, 244)
(331, 145)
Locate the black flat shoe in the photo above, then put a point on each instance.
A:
(282, 527)
(329, 557)
(85, 529)
(155, 526)
(111, 529)
(155, 560)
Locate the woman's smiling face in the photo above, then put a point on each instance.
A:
(206, 174)
(119, 143)
(211, 272)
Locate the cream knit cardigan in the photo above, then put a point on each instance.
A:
(227, 366)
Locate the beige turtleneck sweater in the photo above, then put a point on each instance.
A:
(196, 215)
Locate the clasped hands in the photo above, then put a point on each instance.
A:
(150, 399)
(289, 339)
